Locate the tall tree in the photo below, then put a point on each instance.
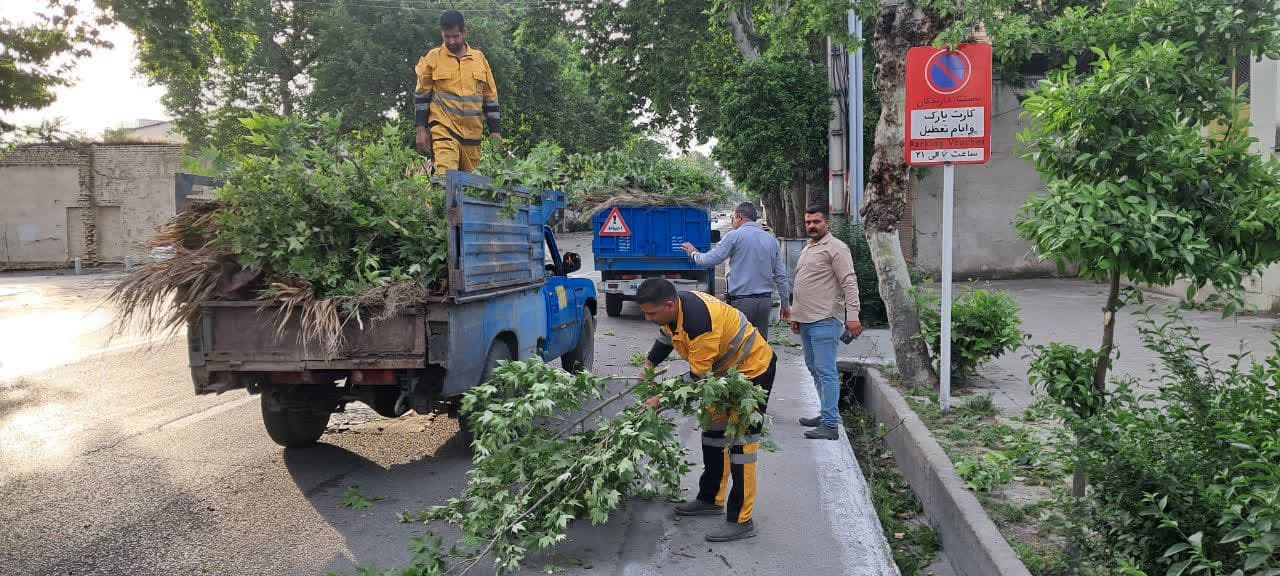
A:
(220, 59)
(39, 56)
(677, 63)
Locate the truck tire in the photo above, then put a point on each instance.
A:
(291, 421)
(613, 305)
(583, 356)
(499, 350)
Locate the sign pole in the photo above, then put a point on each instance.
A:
(944, 365)
(948, 122)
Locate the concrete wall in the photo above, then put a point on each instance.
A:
(90, 201)
(987, 199)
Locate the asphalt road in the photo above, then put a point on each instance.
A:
(110, 465)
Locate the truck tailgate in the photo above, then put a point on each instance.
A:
(243, 336)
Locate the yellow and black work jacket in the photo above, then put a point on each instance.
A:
(713, 338)
(457, 93)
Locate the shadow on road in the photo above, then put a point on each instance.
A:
(400, 473)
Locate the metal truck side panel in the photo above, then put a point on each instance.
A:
(473, 326)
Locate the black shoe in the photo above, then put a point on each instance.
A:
(823, 433)
(697, 507)
(733, 531)
(813, 422)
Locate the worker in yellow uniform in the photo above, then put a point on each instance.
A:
(455, 99)
(713, 338)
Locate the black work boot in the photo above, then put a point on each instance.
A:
(697, 507)
(823, 433)
(733, 531)
(813, 422)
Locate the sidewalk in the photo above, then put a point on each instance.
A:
(814, 513)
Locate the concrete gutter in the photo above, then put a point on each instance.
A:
(971, 540)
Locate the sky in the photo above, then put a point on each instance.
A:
(106, 93)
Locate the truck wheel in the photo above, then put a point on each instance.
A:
(498, 351)
(385, 400)
(291, 420)
(613, 305)
(583, 356)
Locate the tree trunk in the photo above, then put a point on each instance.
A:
(1108, 335)
(743, 31)
(286, 97)
(910, 352)
(799, 196)
(774, 211)
(900, 26)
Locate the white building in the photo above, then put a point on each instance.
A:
(156, 132)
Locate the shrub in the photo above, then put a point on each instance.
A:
(985, 473)
(1189, 477)
(984, 326)
(1066, 374)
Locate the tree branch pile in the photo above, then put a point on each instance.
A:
(626, 176)
(309, 219)
(531, 479)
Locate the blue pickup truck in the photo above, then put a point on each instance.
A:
(636, 242)
(509, 297)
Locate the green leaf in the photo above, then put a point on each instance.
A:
(1234, 535)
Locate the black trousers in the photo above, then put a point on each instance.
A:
(729, 467)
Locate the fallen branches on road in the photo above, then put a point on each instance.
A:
(530, 482)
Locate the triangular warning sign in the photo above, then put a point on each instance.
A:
(614, 225)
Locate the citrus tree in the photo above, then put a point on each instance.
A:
(1147, 157)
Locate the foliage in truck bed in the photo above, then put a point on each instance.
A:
(344, 214)
(327, 223)
(631, 175)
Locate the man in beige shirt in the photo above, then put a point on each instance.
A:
(824, 305)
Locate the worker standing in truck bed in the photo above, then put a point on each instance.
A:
(456, 98)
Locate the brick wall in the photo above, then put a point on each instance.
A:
(97, 202)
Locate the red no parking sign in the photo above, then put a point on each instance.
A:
(948, 105)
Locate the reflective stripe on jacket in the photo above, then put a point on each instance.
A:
(714, 338)
(458, 93)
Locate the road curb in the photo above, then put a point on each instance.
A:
(969, 536)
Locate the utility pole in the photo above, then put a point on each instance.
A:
(837, 139)
(856, 148)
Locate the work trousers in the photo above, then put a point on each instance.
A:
(450, 153)
(757, 310)
(729, 466)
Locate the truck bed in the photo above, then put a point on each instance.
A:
(245, 336)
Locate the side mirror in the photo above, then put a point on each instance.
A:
(715, 236)
(572, 262)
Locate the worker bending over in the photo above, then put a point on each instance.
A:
(713, 338)
(455, 98)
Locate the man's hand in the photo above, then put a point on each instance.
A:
(496, 137)
(795, 327)
(424, 143)
(855, 327)
(689, 249)
(786, 313)
(647, 365)
(652, 403)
